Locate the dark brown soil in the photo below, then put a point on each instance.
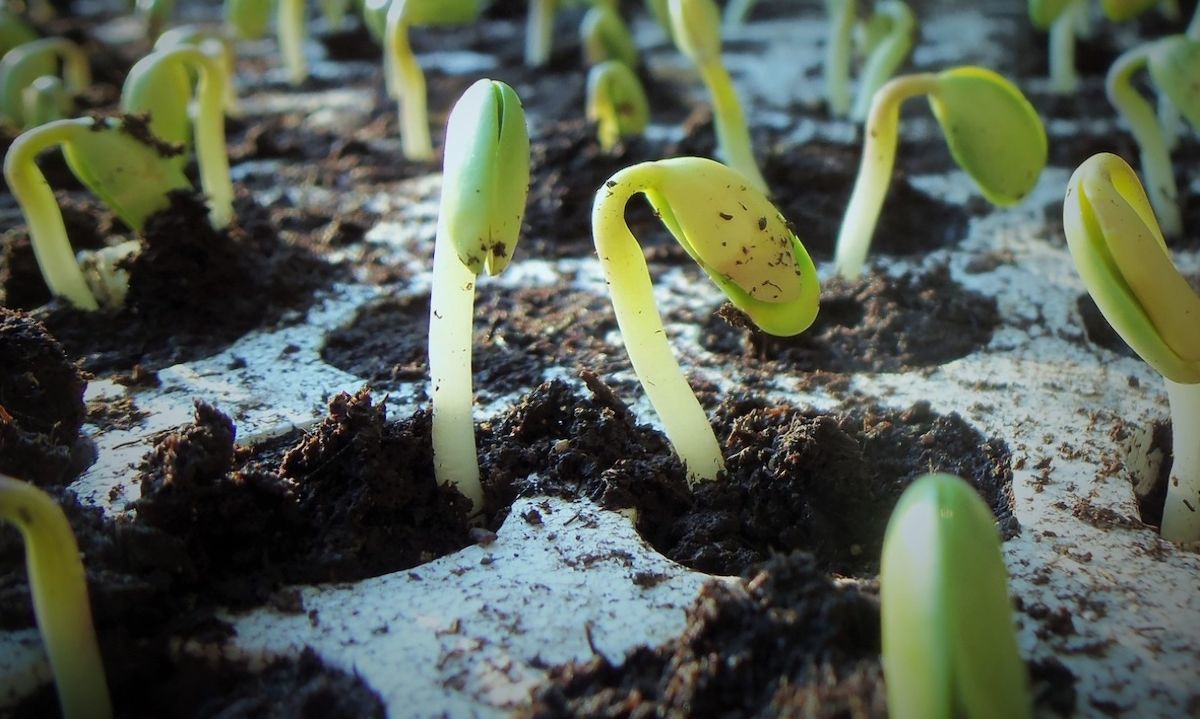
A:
(875, 324)
(784, 641)
(193, 291)
(156, 684)
(41, 405)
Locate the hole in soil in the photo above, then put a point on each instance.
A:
(518, 335)
(1098, 330)
(149, 682)
(875, 324)
(1146, 455)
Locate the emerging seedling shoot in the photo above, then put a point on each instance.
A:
(616, 102)
(1174, 66)
(605, 36)
(993, 133)
(405, 80)
(160, 85)
(740, 241)
(60, 598)
(696, 28)
(1122, 257)
(837, 55)
(130, 177)
(888, 39)
(949, 647)
(1063, 18)
(24, 64)
(484, 185)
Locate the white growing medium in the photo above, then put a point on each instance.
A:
(467, 637)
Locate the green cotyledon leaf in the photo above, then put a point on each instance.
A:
(1043, 13)
(993, 131)
(441, 12)
(740, 240)
(1122, 258)
(1122, 10)
(1174, 65)
(486, 175)
(127, 174)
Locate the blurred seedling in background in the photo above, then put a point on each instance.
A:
(160, 86)
(485, 180)
(616, 102)
(605, 36)
(118, 165)
(949, 645)
(744, 246)
(213, 43)
(696, 29)
(24, 102)
(1174, 67)
(994, 134)
(404, 78)
(885, 40)
(838, 42)
(1123, 259)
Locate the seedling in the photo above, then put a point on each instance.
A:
(156, 14)
(291, 29)
(159, 84)
(405, 80)
(485, 180)
(45, 100)
(14, 31)
(1174, 66)
(58, 584)
(949, 648)
(129, 176)
(216, 44)
(616, 102)
(696, 28)
(1063, 19)
(334, 12)
(374, 17)
(888, 40)
(993, 133)
(605, 36)
(1122, 257)
(837, 55)
(1122, 10)
(248, 18)
(740, 241)
(39, 58)
(660, 13)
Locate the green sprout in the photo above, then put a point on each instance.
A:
(156, 14)
(334, 12)
(58, 583)
(696, 28)
(660, 13)
(949, 647)
(1122, 257)
(1122, 10)
(160, 85)
(291, 29)
(888, 39)
(605, 36)
(248, 18)
(485, 180)
(45, 100)
(374, 17)
(994, 134)
(405, 80)
(539, 31)
(14, 31)
(740, 241)
(39, 58)
(129, 176)
(837, 55)
(214, 43)
(1063, 19)
(1174, 66)
(616, 102)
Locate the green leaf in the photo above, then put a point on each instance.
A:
(14, 31)
(485, 179)
(131, 177)
(374, 16)
(1122, 10)
(993, 132)
(1043, 13)
(249, 18)
(1122, 258)
(161, 88)
(948, 638)
(740, 240)
(1174, 65)
(441, 12)
(696, 27)
(18, 69)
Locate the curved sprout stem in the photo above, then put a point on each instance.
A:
(539, 32)
(1158, 176)
(1169, 121)
(733, 137)
(1181, 514)
(47, 231)
(290, 29)
(888, 56)
(407, 86)
(837, 55)
(684, 421)
(451, 316)
(209, 128)
(1063, 77)
(60, 599)
(875, 171)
